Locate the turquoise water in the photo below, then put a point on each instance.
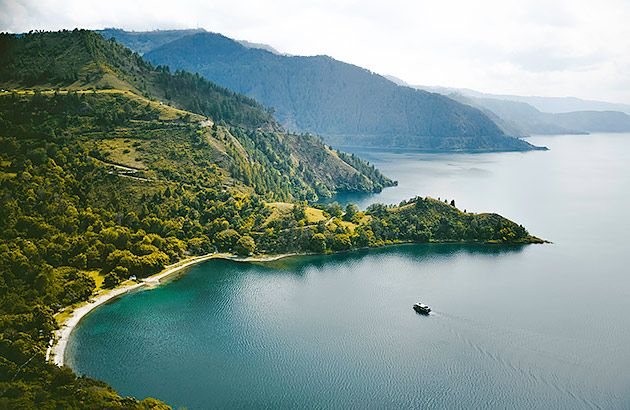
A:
(539, 326)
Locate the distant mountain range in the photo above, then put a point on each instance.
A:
(526, 115)
(545, 104)
(351, 106)
(345, 104)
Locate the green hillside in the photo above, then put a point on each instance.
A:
(82, 60)
(346, 104)
(245, 143)
(103, 181)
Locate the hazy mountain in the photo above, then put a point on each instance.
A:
(533, 121)
(509, 127)
(525, 117)
(543, 104)
(520, 118)
(143, 41)
(593, 121)
(261, 46)
(396, 80)
(565, 104)
(346, 104)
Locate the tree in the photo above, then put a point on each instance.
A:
(361, 237)
(341, 242)
(121, 272)
(299, 210)
(378, 210)
(226, 239)
(318, 243)
(351, 210)
(245, 245)
(111, 280)
(334, 210)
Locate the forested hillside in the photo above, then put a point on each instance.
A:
(344, 103)
(82, 60)
(245, 142)
(100, 181)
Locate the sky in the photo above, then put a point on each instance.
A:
(552, 48)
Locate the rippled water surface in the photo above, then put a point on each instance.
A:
(540, 326)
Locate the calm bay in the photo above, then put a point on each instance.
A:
(538, 326)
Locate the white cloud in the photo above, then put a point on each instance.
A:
(544, 47)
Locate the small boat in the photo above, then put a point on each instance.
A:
(421, 308)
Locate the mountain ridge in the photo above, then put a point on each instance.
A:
(552, 105)
(142, 41)
(526, 115)
(529, 120)
(346, 104)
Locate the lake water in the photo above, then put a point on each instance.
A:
(536, 327)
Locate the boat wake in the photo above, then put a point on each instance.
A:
(524, 353)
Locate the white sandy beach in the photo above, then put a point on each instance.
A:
(56, 351)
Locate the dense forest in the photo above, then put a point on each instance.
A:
(346, 104)
(98, 184)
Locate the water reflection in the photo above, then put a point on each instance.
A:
(415, 252)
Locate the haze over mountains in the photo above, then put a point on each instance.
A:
(522, 115)
(345, 104)
(143, 41)
(351, 106)
(544, 104)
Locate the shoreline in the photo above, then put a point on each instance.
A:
(59, 342)
(57, 347)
